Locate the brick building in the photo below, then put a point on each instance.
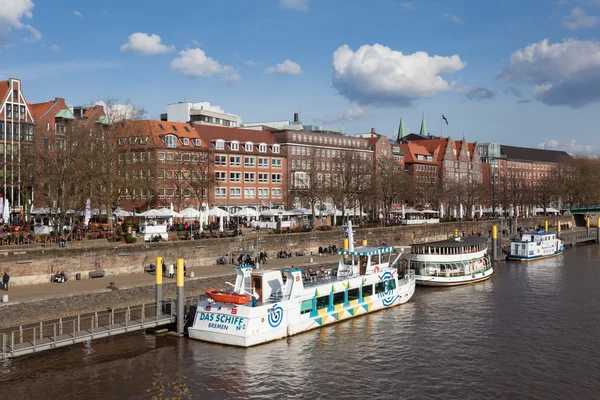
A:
(249, 167)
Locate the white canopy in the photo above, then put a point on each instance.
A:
(190, 213)
(301, 211)
(217, 212)
(332, 212)
(548, 209)
(245, 212)
(430, 212)
(122, 214)
(273, 212)
(160, 213)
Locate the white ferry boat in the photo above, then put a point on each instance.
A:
(535, 246)
(456, 261)
(267, 305)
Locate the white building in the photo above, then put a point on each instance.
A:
(294, 125)
(200, 113)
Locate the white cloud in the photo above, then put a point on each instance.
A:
(579, 19)
(194, 63)
(146, 45)
(287, 67)
(476, 93)
(571, 147)
(54, 47)
(382, 76)
(251, 63)
(118, 112)
(354, 113)
(453, 18)
(298, 5)
(195, 43)
(11, 14)
(77, 14)
(566, 73)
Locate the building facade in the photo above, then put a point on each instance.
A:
(202, 113)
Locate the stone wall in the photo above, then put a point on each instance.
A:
(32, 266)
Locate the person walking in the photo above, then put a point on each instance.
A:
(5, 280)
(171, 271)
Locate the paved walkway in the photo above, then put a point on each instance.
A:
(20, 294)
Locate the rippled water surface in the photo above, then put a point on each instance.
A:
(531, 332)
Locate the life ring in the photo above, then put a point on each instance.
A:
(376, 269)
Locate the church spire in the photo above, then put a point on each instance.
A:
(423, 126)
(401, 132)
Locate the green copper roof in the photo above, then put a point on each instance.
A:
(401, 132)
(423, 127)
(67, 114)
(104, 120)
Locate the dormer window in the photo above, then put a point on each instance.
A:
(219, 144)
(235, 145)
(275, 148)
(171, 141)
(262, 148)
(174, 128)
(248, 146)
(143, 139)
(197, 142)
(185, 141)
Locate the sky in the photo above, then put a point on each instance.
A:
(524, 73)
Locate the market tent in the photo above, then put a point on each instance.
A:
(273, 212)
(301, 211)
(245, 212)
(217, 212)
(190, 213)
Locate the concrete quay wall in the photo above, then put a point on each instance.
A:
(33, 266)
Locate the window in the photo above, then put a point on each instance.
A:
(143, 139)
(161, 174)
(276, 163)
(220, 159)
(171, 141)
(379, 287)
(338, 298)
(161, 156)
(169, 156)
(186, 158)
(263, 193)
(162, 128)
(235, 161)
(169, 193)
(47, 144)
(220, 193)
(262, 148)
(235, 145)
(178, 157)
(263, 178)
(276, 193)
(235, 193)
(322, 302)
(306, 306)
(219, 144)
(185, 141)
(235, 177)
(353, 294)
(221, 176)
(293, 149)
(248, 146)
(249, 177)
(367, 290)
(197, 142)
(186, 128)
(249, 193)
(161, 193)
(263, 162)
(249, 161)
(275, 148)
(276, 178)
(390, 284)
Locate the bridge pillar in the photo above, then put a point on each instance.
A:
(494, 242)
(180, 296)
(159, 287)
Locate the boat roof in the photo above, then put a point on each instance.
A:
(538, 233)
(368, 250)
(462, 242)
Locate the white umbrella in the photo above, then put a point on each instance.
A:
(473, 211)
(221, 223)
(217, 212)
(88, 213)
(403, 211)
(517, 211)
(461, 211)
(301, 211)
(190, 213)
(6, 211)
(123, 213)
(454, 212)
(274, 213)
(245, 212)
(170, 213)
(512, 211)
(442, 210)
(480, 211)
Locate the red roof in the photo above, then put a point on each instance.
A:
(39, 109)
(210, 134)
(412, 149)
(3, 89)
(157, 130)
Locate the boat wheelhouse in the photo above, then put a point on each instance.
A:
(288, 302)
(456, 261)
(535, 246)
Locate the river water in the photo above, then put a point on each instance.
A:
(530, 332)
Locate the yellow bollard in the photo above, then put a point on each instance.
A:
(587, 222)
(364, 242)
(180, 272)
(545, 226)
(558, 227)
(456, 233)
(180, 296)
(346, 247)
(494, 242)
(494, 232)
(159, 271)
(159, 289)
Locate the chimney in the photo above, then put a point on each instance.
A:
(373, 131)
(296, 119)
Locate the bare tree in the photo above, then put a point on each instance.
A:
(309, 186)
(392, 184)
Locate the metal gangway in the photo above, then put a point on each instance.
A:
(34, 338)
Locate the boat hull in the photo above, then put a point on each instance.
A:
(292, 323)
(534, 258)
(453, 280)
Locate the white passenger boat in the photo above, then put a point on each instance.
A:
(535, 246)
(277, 304)
(456, 261)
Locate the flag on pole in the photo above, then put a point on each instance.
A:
(444, 118)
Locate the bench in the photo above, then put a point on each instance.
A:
(96, 274)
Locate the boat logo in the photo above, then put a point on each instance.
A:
(275, 316)
(387, 300)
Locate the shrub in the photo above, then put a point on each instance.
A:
(326, 228)
(130, 239)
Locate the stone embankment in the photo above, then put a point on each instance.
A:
(36, 265)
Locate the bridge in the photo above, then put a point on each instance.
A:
(585, 209)
(28, 339)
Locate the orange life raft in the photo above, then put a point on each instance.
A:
(227, 297)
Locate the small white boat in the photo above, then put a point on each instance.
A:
(456, 261)
(535, 246)
(288, 302)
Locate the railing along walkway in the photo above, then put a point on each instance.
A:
(575, 237)
(30, 339)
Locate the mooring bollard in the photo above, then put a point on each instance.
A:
(364, 242)
(159, 289)
(545, 226)
(180, 296)
(558, 229)
(494, 242)
(598, 231)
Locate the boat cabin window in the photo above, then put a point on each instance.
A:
(367, 290)
(322, 302)
(353, 294)
(379, 287)
(338, 298)
(391, 284)
(306, 306)
(257, 283)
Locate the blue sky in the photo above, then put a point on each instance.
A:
(517, 72)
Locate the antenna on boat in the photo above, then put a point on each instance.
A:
(350, 236)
